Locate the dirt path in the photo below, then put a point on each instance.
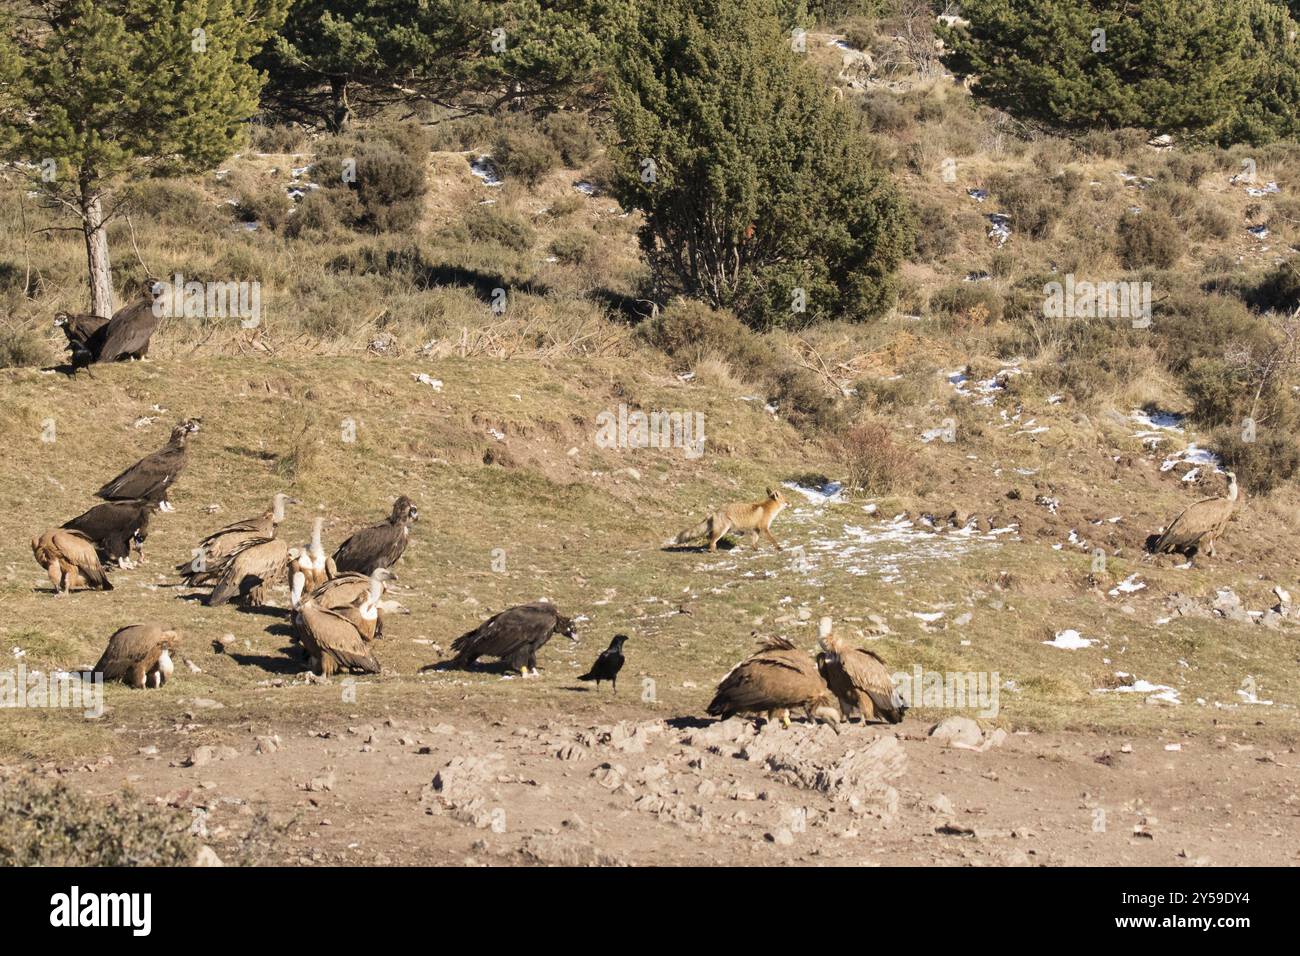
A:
(421, 791)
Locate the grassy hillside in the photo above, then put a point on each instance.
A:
(1048, 462)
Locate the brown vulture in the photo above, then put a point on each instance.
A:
(126, 335)
(338, 592)
(339, 639)
(118, 529)
(1199, 524)
(315, 566)
(140, 655)
(860, 681)
(151, 477)
(70, 559)
(213, 550)
(381, 545)
(79, 328)
(248, 570)
(608, 663)
(775, 678)
(514, 636)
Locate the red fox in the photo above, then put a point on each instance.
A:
(755, 517)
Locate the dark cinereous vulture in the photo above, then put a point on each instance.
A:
(70, 559)
(126, 335)
(248, 570)
(381, 545)
(140, 655)
(210, 555)
(118, 528)
(774, 679)
(1199, 524)
(151, 477)
(339, 639)
(515, 636)
(859, 680)
(608, 663)
(79, 328)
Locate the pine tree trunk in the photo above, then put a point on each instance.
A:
(342, 115)
(96, 234)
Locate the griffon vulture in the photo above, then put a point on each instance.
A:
(118, 529)
(608, 663)
(151, 477)
(339, 592)
(338, 639)
(772, 680)
(140, 655)
(859, 680)
(515, 636)
(70, 559)
(1199, 524)
(80, 328)
(213, 550)
(315, 566)
(248, 570)
(381, 545)
(126, 335)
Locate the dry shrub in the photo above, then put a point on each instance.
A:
(49, 824)
(872, 461)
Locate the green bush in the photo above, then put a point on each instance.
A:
(495, 225)
(1260, 465)
(936, 233)
(576, 246)
(1149, 238)
(524, 153)
(388, 166)
(20, 347)
(573, 138)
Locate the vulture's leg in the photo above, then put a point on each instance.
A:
(55, 573)
(785, 717)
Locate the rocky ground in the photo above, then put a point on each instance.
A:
(538, 790)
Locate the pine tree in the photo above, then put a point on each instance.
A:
(759, 190)
(1207, 69)
(338, 59)
(118, 89)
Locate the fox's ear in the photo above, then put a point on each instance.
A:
(771, 493)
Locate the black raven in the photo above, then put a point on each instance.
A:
(608, 664)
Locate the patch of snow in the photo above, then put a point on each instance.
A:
(1069, 640)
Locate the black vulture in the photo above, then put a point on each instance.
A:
(80, 328)
(379, 546)
(150, 478)
(608, 664)
(126, 335)
(514, 636)
(118, 528)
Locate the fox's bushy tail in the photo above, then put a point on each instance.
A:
(696, 531)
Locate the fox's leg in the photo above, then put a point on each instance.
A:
(753, 540)
(767, 531)
(717, 530)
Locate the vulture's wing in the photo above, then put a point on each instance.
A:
(341, 591)
(868, 674)
(504, 633)
(376, 547)
(148, 478)
(767, 682)
(128, 331)
(131, 651)
(112, 519)
(261, 526)
(335, 636)
(263, 560)
(78, 549)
